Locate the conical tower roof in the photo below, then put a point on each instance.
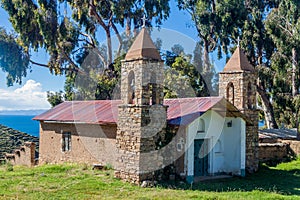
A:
(238, 62)
(143, 47)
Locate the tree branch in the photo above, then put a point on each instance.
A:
(38, 64)
(93, 12)
(100, 55)
(91, 42)
(118, 36)
(285, 29)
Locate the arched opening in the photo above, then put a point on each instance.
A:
(201, 126)
(153, 89)
(249, 93)
(131, 87)
(230, 93)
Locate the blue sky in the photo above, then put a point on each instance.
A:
(31, 94)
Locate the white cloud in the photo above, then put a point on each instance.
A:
(28, 97)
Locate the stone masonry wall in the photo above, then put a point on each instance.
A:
(240, 82)
(273, 152)
(25, 155)
(245, 100)
(294, 146)
(90, 143)
(141, 132)
(142, 121)
(145, 72)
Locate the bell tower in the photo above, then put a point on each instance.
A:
(237, 83)
(142, 117)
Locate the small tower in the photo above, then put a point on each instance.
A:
(237, 83)
(142, 117)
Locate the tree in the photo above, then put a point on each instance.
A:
(13, 58)
(259, 49)
(296, 102)
(55, 98)
(221, 23)
(40, 24)
(210, 77)
(189, 80)
(100, 83)
(215, 22)
(283, 25)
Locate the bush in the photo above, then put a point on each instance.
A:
(9, 167)
(108, 167)
(2, 162)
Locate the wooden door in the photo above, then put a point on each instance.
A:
(200, 157)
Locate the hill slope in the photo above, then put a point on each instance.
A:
(11, 139)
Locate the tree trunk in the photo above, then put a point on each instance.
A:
(128, 26)
(267, 108)
(206, 68)
(294, 68)
(297, 126)
(206, 57)
(109, 47)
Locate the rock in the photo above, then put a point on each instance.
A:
(148, 183)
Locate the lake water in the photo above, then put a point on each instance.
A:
(23, 123)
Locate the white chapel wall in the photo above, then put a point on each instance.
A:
(226, 147)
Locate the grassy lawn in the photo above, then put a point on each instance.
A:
(71, 181)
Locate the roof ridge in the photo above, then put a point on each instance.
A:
(238, 62)
(143, 47)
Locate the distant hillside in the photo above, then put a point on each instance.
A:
(11, 139)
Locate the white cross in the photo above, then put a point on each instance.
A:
(238, 41)
(144, 21)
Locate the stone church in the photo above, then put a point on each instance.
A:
(146, 137)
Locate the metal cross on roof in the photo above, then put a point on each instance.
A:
(144, 21)
(238, 41)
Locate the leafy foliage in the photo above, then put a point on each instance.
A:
(55, 98)
(183, 78)
(283, 25)
(41, 24)
(14, 59)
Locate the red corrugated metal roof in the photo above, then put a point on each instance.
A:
(106, 111)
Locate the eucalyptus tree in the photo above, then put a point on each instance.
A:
(259, 48)
(67, 30)
(216, 22)
(186, 70)
(283, 25)
(220, 24)
(13, 59)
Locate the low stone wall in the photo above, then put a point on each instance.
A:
(11, 139)
(279, 150)
(273, 151)
(294, 147)
(278, 145)
(25, 155)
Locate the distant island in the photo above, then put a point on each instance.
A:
(21, 112)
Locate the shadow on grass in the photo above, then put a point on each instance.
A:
(266, 179)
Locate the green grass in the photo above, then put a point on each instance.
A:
(70, 181)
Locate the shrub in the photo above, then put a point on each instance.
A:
(9, 167)
(108, 166)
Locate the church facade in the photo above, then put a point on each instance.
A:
(146, 137)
